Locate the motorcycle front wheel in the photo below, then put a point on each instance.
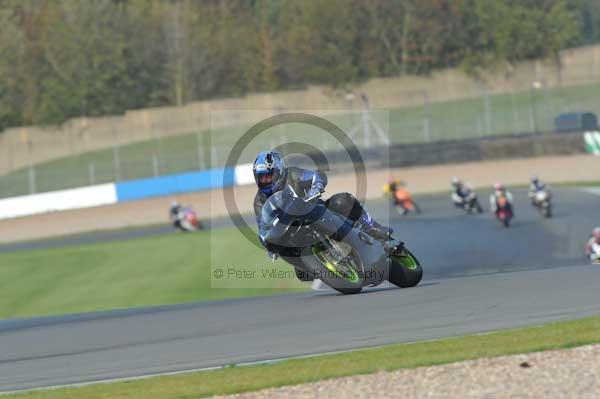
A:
(405, 269)
(547, 211)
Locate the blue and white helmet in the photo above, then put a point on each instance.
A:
(269, 163)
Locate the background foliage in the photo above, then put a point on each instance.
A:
(61, 59)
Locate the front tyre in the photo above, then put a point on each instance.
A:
(343, 275)
(405, 269)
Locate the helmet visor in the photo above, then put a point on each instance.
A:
(264, 179)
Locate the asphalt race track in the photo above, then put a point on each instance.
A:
(479, 277)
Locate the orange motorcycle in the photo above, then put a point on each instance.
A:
(401, 198)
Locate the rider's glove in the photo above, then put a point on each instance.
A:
(315, 190)
(272, 256)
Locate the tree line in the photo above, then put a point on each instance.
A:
(68, 58)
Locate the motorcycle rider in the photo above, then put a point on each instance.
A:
(594, 240)
(535, 187)
(174, 213)
(501, 191)
(460, 192)
(400, 196)
(271, 175)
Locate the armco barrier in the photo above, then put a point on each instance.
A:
(174, 184)
(395, 156)
(244, 175)
(111, 193)
(505, 147)
(103, 194)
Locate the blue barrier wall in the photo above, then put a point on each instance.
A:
(173, 184)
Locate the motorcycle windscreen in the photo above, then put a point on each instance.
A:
(274, 231)
(270, 210)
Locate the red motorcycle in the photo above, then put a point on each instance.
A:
(504, 211)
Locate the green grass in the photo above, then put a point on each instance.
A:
(580, 184)
(467, 118)
(241, 379)
(149, 271)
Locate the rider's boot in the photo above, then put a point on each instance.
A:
(372, 228)
(380, 233)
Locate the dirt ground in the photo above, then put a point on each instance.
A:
(555, 169)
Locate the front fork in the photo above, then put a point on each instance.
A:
(330, 246)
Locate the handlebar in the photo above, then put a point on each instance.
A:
(308, 199)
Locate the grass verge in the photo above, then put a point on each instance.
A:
(142, 272)
(241, 379)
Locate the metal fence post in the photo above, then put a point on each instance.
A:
(366, 128)
(515, 112)
(488, 112)
(116, 163)
(155, 167)
(532, 106)
(200, 156)
(32, 182)
(92, 173)
(479, 126)
(427, 129)
(214, 157)
(547, 107)
(116, 158)
(427, 116)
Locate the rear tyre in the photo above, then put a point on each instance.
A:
(417, 209)
(405, 270)
(478, 206)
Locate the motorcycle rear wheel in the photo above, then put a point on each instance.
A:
(343, 276)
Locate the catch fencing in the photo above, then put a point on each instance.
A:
(445, 106)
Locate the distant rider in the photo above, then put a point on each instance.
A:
(174, 213)
(592, 244)
(535, 187)
(501, 191)
(460, 192)
(271, 175)
(401, 197)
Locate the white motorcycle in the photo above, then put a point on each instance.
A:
(470, 203)
(186, 220)
(593, 253)
(541, 200)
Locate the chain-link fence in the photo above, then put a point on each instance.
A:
(482, 114)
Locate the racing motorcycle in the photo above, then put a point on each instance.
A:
(187, 220)
(402, 199)
(470, 203)
(504, 211)
(592, 251)
(331, 248)
(541, 200)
